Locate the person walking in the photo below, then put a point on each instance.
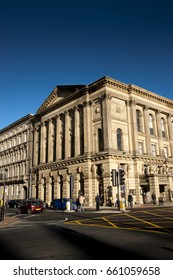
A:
(153, 198)
(98, 201)
(130, 201)
(81, 203)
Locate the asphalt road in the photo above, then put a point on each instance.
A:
(137, 234)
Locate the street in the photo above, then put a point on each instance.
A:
(135, 234)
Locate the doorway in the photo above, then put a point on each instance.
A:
(145, 192)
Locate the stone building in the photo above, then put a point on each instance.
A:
(15, 159)
(82, 132)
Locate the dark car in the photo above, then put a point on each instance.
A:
(31, 206)
(60, 204)
(15, 203)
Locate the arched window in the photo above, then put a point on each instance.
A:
(138, 120)
(163, 128)
(119, 139)
(151, 127)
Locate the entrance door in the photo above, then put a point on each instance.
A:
(145, 191)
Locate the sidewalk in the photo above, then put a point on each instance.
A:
(148, 205)
(106, 209)
(7, 221)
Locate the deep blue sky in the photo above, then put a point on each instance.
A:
(51, 42)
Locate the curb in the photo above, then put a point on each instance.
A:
(7, 221)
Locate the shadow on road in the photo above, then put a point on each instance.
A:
(91, 248)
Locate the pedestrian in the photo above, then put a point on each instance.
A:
(81, 203)
(130, 201)
(98, 201)
(153, 198)
(77, 204)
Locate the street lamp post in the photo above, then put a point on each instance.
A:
(3, 198)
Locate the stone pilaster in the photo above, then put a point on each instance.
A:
(56, 186)
(58, 138)
(106, 122)
(88, 188)
(170, 131)
(66, 185)
(87, 127)
(43, 143)
(134, 126)
(77, 132)
(36, 147)
(147, 132)
(159, 133)
(67, 135)
(76, 185)
(50, 141)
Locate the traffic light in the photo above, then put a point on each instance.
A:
(121, 177)
(114, 177)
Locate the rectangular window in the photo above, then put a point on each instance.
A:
(140, 148)
(165, 151)
(151, 131)
(153, 149)
(100, 140)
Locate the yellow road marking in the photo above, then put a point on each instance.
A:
(111, 227)
(143, 221)
(157, 215)
(112, 224)
(146, 222)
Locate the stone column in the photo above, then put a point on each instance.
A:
(43, 143)
(56, 185)
(50, 141)
(106, 122)
(36, 146)
(88, 187)
(58, 138)
(41, 188)
(130, 131)
(170, 131)
(134, 127)
(76, 186)
(67, 135)
(159, 133)
(66, 185)
(87, 127)
(49, 189)
(147, 132)
(76, 132)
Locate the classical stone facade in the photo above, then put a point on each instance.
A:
(82, 132)
(15, 159)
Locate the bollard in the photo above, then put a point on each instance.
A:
(122, 205)
(68, 205)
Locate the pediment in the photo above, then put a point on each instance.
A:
(60, 92)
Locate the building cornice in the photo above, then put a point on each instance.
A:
(149, 95)
(104, 82)
(16, 123)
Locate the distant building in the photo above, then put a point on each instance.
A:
(16, 159)
(82, 132)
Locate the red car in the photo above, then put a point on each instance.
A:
(31, 206)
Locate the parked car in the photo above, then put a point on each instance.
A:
(14, 203)
(60, 204)
(45, 205)
(31, 206)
